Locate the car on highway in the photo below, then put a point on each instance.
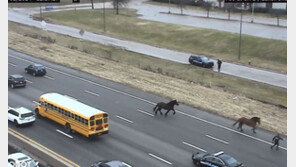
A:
(201, 61)
(105, 163)
(20, 159)
(16, 80)
(36, 70)
(219, 159)
(21, 116)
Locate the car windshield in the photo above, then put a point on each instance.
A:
(27, 115)
(39, 67)
(19, 79)
(228, 159)
(205, 58)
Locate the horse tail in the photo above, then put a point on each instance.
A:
(155, 107)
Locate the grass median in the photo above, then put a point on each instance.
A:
(264, 53)
(225, 95)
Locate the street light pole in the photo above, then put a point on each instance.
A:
(240, 35)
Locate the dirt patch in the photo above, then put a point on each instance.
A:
(217, 101)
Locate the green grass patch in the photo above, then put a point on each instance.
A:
(208, 78)
(264, 53)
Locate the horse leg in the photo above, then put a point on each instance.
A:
(167, 112)
(241, 126)
(174, 112)
(159, 109)
(254, 129)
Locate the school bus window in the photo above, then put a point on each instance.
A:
(91, 123)
(98, 122)
(92, 118)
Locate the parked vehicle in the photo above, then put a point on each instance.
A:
(36, 69)
(113, 163)
(219, 159)
(201, 61)
(16, 80)
(21, 116)
(21, 159)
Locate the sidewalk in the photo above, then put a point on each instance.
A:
(263, 76)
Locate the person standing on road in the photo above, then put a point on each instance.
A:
(276, 140)
(219, 62)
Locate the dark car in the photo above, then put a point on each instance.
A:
(113, 163)
(201, 61)
(36, 69)
(219, 159)
(16, 81)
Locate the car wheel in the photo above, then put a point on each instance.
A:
(68, 128)
(12, 86)
(16, 123)
(203, 65)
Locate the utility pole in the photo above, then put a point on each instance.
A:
(240, 35)
(40, 12)
(104, 16)
(169, 6)
(252, 13)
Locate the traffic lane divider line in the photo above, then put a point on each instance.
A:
(126, 164)
(193, 146)
(92, 93)
(145, 112)
(47, 149)
(48, 77)
(12, 64)
(219, 140)
(29, 81)
(152, 103)
(64, 133)
(124, 119)
(161, 159)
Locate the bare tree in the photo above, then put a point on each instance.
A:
(229, 7)
(118, 3)
(277, 14)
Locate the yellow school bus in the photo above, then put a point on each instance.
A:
(72, 114)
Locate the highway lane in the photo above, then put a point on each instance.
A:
(160, 136)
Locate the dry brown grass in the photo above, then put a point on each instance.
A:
(225, 104)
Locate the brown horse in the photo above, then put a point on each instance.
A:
(250, 122)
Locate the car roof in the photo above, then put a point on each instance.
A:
(23, 110)
(38, 65)
(114, 163)
(17, 76)
(17, 156)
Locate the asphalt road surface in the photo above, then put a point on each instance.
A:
(140, 139)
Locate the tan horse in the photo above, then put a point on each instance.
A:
(250, 122)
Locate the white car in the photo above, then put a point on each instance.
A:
(21, 115)
(21, 159)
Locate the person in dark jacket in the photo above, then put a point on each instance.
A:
(275, 141)
(219, 62)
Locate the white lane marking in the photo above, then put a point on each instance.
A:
(12, 64)
(152, 155)
(219, 140)
(152, 103)
(29, 81)
(64, 133)
(49, 77)
(70, 97)
(124, 119)
(36, 102)
(126, 164)
(193, 146)
(144, 112)
(91, 93)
